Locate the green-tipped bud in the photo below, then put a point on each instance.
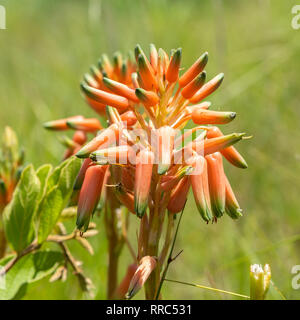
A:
(96, 72)
(90, 80)
(117, 59)
(174, 65)
(138, 51)
(67, 142)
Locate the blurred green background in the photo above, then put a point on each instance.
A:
(47, 47)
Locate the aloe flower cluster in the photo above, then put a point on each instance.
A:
(145, 157)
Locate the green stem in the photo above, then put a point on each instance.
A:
(170, 259)
(209, 288)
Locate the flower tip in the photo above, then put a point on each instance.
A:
(178, 53)
(48, 125)
(82, 223)
(204, 58)
(84, 87)
(243, 164)
(232, 115)
(140, 209)
(82, 153)
(220, 77)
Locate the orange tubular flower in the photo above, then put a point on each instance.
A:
(191, 88)
(129, 118)
(171, 181)
(208, 88)
(202, 116)
(127, 177)
(146, 73)
(230, 153)
(88, 125)
(79, 138)
(61, 124)
(148, 98)
(80, 176)
(232, 206)
(200, 187)
(153, 57)
(209, 146)
(101, 96)
(105, 65)
(120, 89)
(216, 179)
(109, 134)
(179, 196)
(165, 137)
(117, 155)
(194, 70)
(89, 195)
(96, 106)
(173, 68)
(146, 266)
(143, 174)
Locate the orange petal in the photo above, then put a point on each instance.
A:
(202, 116)
(60, 124)
(105, 97)
(111, 134)
(165, 136)
(200, 187)
(208, 146)
(207, 89)
(230, 153)
(148, 98)
(143, 175)
(120, 89)
(191, 88)
(216, 179)
(174, 65)
(88, 125)
(146, 73)
(194, 70)
(146, 266)
(123, 154)
(89, 195)
(179, 196)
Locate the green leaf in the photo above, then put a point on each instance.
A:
(51, 210)
(54, 177)
(28, 269)
(43, 174)
(19, 214)
(59, 190)
(68, 175)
